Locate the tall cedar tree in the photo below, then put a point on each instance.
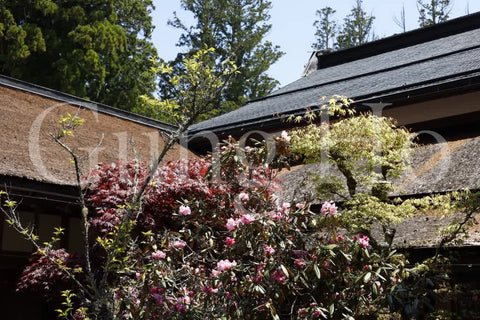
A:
(236, 29)
(326, 29)
(99, 50)
(433, 11)
(357, 28)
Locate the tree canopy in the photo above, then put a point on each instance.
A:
(433, 11)
(99, 50)
(326, 29)
(357, 28)
(236, 29)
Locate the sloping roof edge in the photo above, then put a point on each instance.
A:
(456, 84)
(83, 103)
(400, 40)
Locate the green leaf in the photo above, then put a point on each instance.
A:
(10, 203)
(285, 270)
(330, 247)
(259, 288)
(317, 271)
(367, 277)
(304, 282)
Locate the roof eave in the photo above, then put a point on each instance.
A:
(449, 86)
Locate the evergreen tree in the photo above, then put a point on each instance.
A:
(326, 29)
(236, 29)
(357, 28)
(99, 50)
(433, 11)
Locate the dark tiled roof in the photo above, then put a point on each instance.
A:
(433, 62)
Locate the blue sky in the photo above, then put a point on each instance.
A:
(292, 26)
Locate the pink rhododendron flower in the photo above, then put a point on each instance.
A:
(302, 312)
(209, 289)
(243, 196)
(269, 250)
(138, 275)
(300, 206)
(279, 276)
(329, 209)
(284, 135)
(216, 273)
(159, 254)
(317, 313)
(232, 224)
(179, 244)
(184, 210)
(300, 263)
(277, 216)
(226, 264)
(156, 290)
(364, 241)
(247, 218)
(340, 238)
(285, 208)
(230, 241)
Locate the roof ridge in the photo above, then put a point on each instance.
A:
(366, 73)
(412, 37)
(363, 99)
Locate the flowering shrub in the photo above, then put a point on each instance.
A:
(210, 240)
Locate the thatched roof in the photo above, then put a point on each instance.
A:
(423, 231)
(30, 112)
(436, 168)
